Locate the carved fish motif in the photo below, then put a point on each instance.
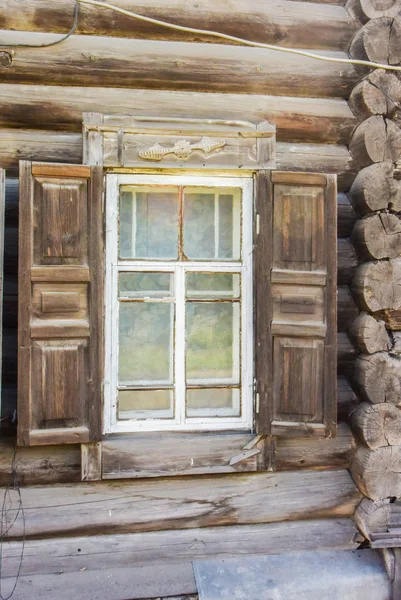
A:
(182, 148)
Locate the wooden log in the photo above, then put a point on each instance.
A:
(378, 377)
(58, 555)
(60, 108)
(364, 10)
(375, 188)
(347, 310)
(378, 94)
(392, 319)
(346, 399)
(378, 236)
(345, 355)
(50, 146)
(184, 503)
(377, 425)
(378, 41)
(375, 285)
(377, 473)
(369, 335)
(346, 216)
(347, 261)
(372, 517)
(376, 140)
(115, 62)
(276, 22)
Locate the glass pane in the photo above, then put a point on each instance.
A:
(208, 285)
(218, 402)
(199, 225)
(141, 284)
(146, 343)
(212, 223)
(213, 342)
(156, 404)
(149, 222)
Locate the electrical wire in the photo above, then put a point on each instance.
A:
(242, 41)
(207, 32)
(62, 39)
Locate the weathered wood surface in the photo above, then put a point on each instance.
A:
(50, 146)
(117, 62)
(346, 355)
(60, 108)
(378, 236)
(43, 557)
(369, 334)
(376, 140)
(275, 22)
(346, 216)
(347, 310)
(376, 285)
(378, 94)
(346, 399)
(372, 517)
(62, 464)
(377, 473)
(378, 41)
(364, 10)
(374, 188)
(378, 377)
(182, 503)
(347, 261)
(377, 425)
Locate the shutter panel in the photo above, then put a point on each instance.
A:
(295, 296)
(60, 304)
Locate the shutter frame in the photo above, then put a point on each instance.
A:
(60, 305)
(290, 330)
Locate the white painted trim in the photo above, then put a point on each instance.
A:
(115, 265)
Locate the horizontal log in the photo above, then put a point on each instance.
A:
(378, 378)
(378, 94)
(346, 355)
(374, 188)
(376, 140)
(116, 62)
(270, 21)
(346, 399)
(364, 10)
(377, 425)
(377, 473)
(378, 41)
(60, 108)
(346, 216)
(50, 146)
(61, 555)
(369, 335)
(378, 236)
(347, 310)
(62, 464)
(375, 285)
(183, 503)
(347, 260)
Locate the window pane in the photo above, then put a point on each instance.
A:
(213, 342)
(212, 224)
(156, 404)
(207, 285)
(217, 402)
(146, 343)
(141, 284)
(149, 222)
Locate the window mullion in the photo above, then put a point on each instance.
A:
(180, 345)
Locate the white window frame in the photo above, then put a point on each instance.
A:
(114, 266)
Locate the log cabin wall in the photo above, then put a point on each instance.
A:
(116, 65)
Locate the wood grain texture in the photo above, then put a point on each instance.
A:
(376, 140)
(346, 216)
(364, 10)
(378, 41)
(347, 261)
(374, 188)
(377, 425)
(375, 285)
(47, 146)
(377, 473)
(60, 388)
(378, 94)
(378, 236)
(42, 557)
(378, 377)
(347, 310)
(182, 503)
(2, 226)
(115, 62)
(369, 334)
(284, 22)
(61, 107)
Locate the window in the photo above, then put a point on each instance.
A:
(179, 351)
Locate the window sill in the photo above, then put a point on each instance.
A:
(171, 453)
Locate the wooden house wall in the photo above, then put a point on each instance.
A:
(116, 65)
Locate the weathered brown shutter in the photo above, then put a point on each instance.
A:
(60, 304)
(295, 303)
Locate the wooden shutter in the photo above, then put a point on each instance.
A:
(295, 303)
(60, 304)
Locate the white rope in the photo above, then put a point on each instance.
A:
(232, 38)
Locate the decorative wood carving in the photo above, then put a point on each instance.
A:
(182, 149)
